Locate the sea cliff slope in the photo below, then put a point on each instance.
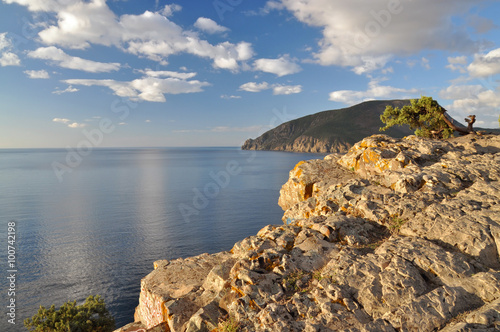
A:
(329, 131)
(394, 235)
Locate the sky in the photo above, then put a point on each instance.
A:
(125, 73)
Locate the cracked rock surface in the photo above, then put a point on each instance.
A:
(395, 235)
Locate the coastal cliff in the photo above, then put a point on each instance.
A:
(394, 235)
(331, 131)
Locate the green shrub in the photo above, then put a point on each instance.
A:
(92, 316)
(424, 115)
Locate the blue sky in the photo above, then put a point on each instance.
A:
(213, 73)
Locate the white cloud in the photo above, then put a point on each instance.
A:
(457, 64)
(374, 91)
(278, 89)
(280, 67)
(209, 25)
(268, 7)
(7, 58)
(166, 73)
(458, 60)
(286, 89)
(69, 89)
(69, 123)
(481, 99)
(37, 74)
(364, 34)
(147, 88)
(61, 120)
(151, 34)
(4, 42)
(230, 97)
(76, 125)
(169, 10)
(425, 63)
(42, 5)
(485, 64)
(461, 92)
(254, 87)
(81, 23)
(474, 99)
(155, 37)
(64, 60)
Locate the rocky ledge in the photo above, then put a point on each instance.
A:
(395, 235)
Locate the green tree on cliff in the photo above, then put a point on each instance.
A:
(423, 115)
(92, 316)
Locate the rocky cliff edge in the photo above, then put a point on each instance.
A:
(395, 235)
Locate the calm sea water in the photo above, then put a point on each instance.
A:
(99, 230)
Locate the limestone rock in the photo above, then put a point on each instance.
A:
(395, 235)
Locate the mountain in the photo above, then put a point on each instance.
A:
(329, 131)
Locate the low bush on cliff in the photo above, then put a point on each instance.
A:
(427, 118)
(92, 316)
(424, 115)
(228, 325)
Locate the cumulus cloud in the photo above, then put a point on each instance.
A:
(69, 123)
(474, 99)
(76, 125)
(69, 89)
(81, 23)
(230, 97)
(482, 99)
(7, 57)
(280, 67)
(61, 120)
(147, 88)
(374, 91)
(37, 74)
(286, 89)
(362, 34)
(457, 64)
(254, 87)
(42, 5)
(169, 10)
(278, 89)
(60, 58)
(167, 73)
(150, 34)
(485, 64)
(209, 25)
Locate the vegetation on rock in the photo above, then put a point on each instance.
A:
(228, 325)
(92, 316)
(423, 115)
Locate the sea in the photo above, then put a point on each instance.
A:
(80, 223)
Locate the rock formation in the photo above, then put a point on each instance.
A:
(395, 235)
